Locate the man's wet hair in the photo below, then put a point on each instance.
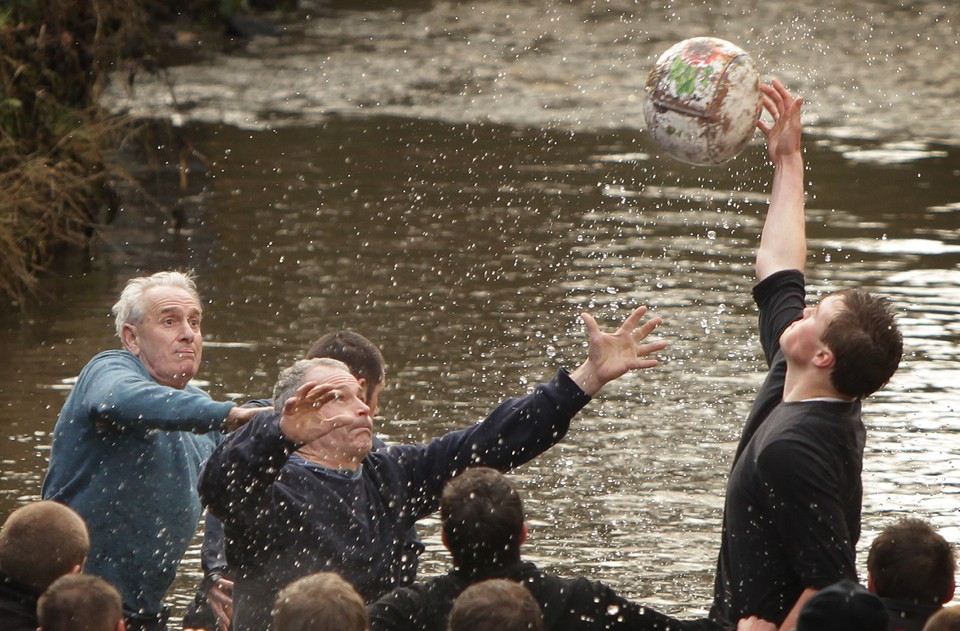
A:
(80, 602)
(360, 354)
(319, 602)
(910, 561)
(866, 343)
(42, 541)
(292, 377)
(482, 519)
(131, 307)
(495, 605)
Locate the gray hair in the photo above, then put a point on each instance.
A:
(130, 308)
(292, 378)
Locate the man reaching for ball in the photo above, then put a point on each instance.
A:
(792, 512)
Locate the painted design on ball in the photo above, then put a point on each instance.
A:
(703, 101)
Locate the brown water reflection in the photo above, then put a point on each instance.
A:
(467, 251)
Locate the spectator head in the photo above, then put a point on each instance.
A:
(319, 602)
(361, 356)
(482, 520)
(947, 619)
(910, 561)
(42, 541)
(843, 606)
(80, 602)
(495, 605)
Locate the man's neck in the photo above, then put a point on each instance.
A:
(799, 386)
(325, 459)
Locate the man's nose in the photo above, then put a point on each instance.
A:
(186, 331)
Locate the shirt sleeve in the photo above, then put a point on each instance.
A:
(235, 481)
(804, 504)
(402, 609)
(781, 299)
(514, 433)
(118, 392)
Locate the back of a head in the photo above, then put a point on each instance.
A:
(361, 356)
(947, 619)
(42, 541)
(482, 519)
(843, 606)
(866, 343)
(79, 602)
(910, 561)
(495, 605)
(319, 602)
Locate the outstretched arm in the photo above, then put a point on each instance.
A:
(614, 354)
(783, 243)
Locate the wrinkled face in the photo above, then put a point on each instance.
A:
(803, 339)
(168, 340)
(354, 438)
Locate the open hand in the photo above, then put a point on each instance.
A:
(303, 420)
(613, 354)
(783, 137)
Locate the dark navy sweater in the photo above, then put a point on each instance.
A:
(285, 518)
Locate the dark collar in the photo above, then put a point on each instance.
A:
(908, 609)
(12, 589)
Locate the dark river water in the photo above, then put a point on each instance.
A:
(458, 181)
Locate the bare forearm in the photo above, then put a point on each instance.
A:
(783, 242)
(790, 622)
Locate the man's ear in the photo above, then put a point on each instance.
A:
(122, 625)
(76, 569)
(953, 590)
(443, 539)
(824, 358)
(523, 533)
(128, 334)
(872, 587)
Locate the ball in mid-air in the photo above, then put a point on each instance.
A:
(703, 100)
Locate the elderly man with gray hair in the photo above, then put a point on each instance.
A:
(129, 441)
(299, 489)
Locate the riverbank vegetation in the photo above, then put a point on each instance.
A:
(58, 176)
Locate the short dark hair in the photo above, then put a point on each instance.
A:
(80, 602)
(319, 602)
(866, 343)
(495, 605)
(482, 517)
(361, 356)
(947, 619)
(910, 561)
(42, 541)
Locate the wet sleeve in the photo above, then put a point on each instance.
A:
(804, 505)
(781, 299)
(213, 555)
(236, 480)
(400, 610)
(116, 392)
(514, 433)
(601, 608)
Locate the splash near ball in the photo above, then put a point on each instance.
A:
(703, 101)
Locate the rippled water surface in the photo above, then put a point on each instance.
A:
(458, 181)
